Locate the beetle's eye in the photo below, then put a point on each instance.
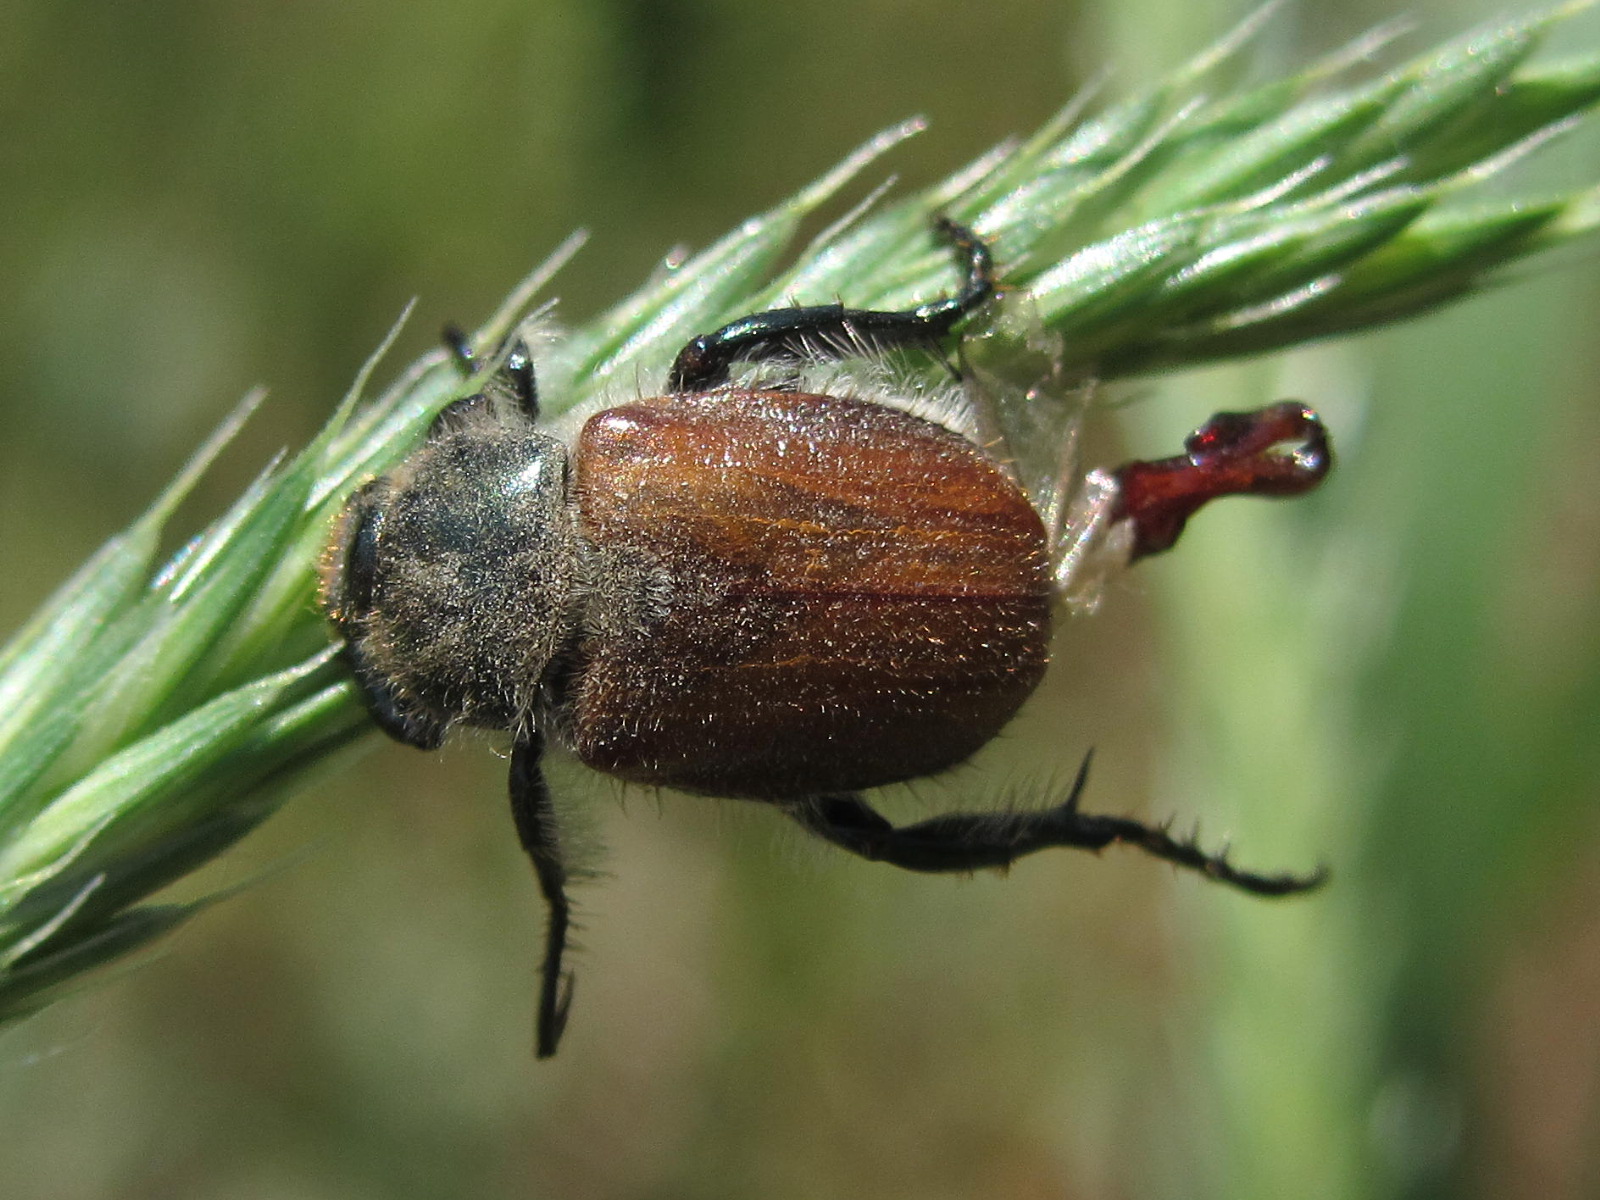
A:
(361, 567)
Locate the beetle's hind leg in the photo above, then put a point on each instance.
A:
(1118, 517)
(535, 819)
(970, 841)
(1280, 450)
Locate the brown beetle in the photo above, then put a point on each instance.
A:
(755, 591)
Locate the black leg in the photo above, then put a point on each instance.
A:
(968, 841)
(517, 371)
(831, 328)
(541, 838)
(460, 347)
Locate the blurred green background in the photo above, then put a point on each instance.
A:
(1400, 676)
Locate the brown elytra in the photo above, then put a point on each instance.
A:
(842, 595)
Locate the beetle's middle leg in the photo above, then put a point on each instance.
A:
(833, 330)
(970, 841)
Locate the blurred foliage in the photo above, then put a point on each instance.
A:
(202, 197)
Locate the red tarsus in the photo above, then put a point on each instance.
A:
(1280, 450)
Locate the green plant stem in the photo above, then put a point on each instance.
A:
(151, 714)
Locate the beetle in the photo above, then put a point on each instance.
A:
(744, 589)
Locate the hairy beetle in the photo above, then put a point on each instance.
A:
(745, 589)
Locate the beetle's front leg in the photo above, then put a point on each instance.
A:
(541, 837)
(516, 374)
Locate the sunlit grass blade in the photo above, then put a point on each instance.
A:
(152, 715)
